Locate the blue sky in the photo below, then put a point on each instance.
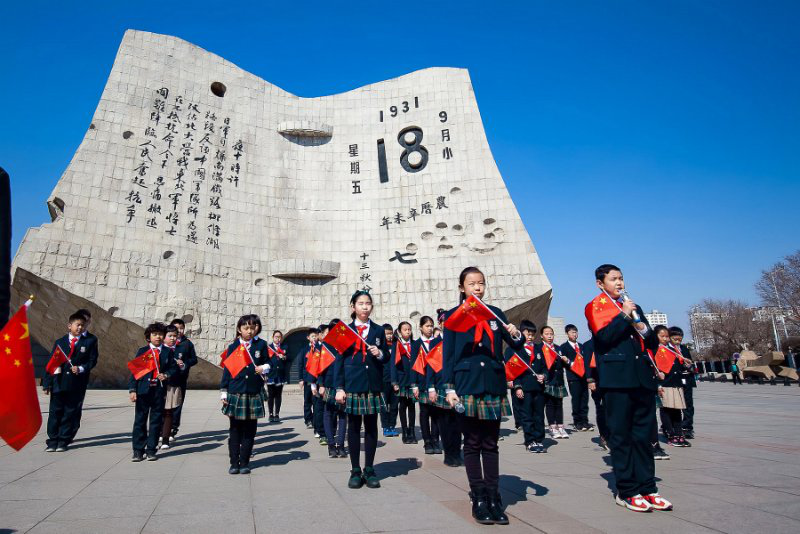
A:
(659, 136)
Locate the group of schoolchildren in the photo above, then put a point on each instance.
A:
(461, 403)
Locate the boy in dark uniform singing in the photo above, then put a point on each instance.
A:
(628, 379)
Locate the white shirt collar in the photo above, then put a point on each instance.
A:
(246, 343)
(71, 337)
(157, 348)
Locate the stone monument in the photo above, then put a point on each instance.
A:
(201, 191)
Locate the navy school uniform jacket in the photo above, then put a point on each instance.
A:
(592, 374)
(166, 364)
(247, 381)
(688, 372)
(622, 362)
(278, 367)
(569, 351)
(357, 373)
(185, 352)
(526, 381)
(555, 375)
(400, 373)
(673, 379)
(476, 369)
(431, 377)
(84, 355)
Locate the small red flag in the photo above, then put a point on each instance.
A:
(312, 365)
(399, 352)
(238, 360)
(664, 360)
(20, 416)
(434, 358)
(141, 366)
(471, 312)
(577, 366)
(514, 367)
(600, 312)
(326, 358)
(222, 356)
(549, 355)
(56, 360)
(419, 363)
(341, 337)
(592, 362)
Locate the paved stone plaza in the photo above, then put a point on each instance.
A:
(742, 475)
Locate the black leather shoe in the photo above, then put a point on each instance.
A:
(428, 448)
(356, 479)
(437, 447)
(496, 509)
(371, 478)
(332, 452)
(405, 437)
(480, 508)
(244, 470)
(233, 470)
(412, 436)
(451, 462)
(137, 457)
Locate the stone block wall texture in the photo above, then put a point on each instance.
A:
(201, 191)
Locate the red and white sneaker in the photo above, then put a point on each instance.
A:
(657, 502)
(637, 503)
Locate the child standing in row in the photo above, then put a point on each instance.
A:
(554, 390)
(276, 377)
(243, 395)
(174, 396)
(389, 416)
(359, 381)
(529, 389)
(404, 381)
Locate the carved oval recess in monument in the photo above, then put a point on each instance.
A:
(167, 254)
(426, 235)
(127, 134)
(218, 89)
(305, 129)
(489, 221)
(304, 269)
(411, 247)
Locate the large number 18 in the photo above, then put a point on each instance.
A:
(415, 156)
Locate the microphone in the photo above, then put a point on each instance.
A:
(625, 297)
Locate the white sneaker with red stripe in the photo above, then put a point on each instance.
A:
(657, 502)
(637, 503)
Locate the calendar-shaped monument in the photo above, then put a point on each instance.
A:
(204, 192)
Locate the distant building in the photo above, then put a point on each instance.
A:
(656, 317)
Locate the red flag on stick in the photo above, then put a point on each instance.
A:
(238, 360)
(399, 352)
(341, 337)
(434, 358)
(664, 360)
(56, 360)
(514, 367)
(600, 312)
(312, 365)
(326, 358)
(20, 416)
(471, 312)
(578, 367)
(419, 363)
(549, 355)
(142, 365)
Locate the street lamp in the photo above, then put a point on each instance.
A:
(778, 299)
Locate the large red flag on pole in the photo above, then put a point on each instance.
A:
(341, 337)
(471, 312)
(20, 416)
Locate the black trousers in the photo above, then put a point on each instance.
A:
(631, 419)
(736, 379)
(429, 423)
(554, 407)
(308, 401)
(241, 436)
(148, 406)
(451, 434)
(532, 414)
(176, 414)
(319, 421)
(274, 398)
(671, 422)
(64, 415)
(370, 438)
(481, 455)
(600, 413)
(76, 421)
(408, 414)
(335, 423)
(688, 413)
(516, 409)
(389, 416)
(579, 394)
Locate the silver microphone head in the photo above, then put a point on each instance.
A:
(624, 295)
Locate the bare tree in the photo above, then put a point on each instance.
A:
(730, 326)
(779, 286)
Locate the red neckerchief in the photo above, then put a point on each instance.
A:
(480, 328)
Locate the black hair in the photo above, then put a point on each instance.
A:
(399, 326)
(77, 317)
(660, 328)
(312, 331)
(463, 276)
(277, 332)
(251, 319)
(675, 331)
(546, 326)
(87, 316)
(354, 298)
(170, 328)
(333, 323)
(154, 328)
(601, 272)
(527, 325)
(387, 326)
(175, 322)
(570, 327)
(424, 319)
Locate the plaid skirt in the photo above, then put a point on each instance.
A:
(329, 396)
(486, 407)
(558, 392)
(245, 406)
(406, 392)
(364, 403)
(441, 401)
